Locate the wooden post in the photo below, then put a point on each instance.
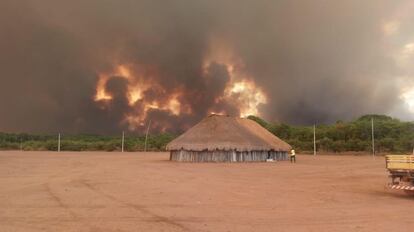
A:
(146, 135)
(314, 139)
(59, 142)
(123, 139)
(372, 135)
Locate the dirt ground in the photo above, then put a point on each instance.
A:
(98, 191)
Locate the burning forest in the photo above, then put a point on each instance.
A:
(144, 91)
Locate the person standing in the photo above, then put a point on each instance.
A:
(292, 156)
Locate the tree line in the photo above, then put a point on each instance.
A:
(391, 135)
(83, 142)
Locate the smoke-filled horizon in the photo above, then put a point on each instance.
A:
(102, 66)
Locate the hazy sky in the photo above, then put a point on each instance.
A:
(101, 66)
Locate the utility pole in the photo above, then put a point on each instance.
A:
(146, 135)
(59, 143)
(123, 139)
(372, 136)
(314, 139)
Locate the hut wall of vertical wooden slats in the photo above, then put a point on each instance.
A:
(226, 156)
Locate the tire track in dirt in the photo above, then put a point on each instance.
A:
(59, 201)
(140, 208)
(67, 208)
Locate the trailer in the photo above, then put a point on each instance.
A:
(401, 169)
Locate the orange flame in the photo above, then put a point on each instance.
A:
(137, 85)
(135, 88)
(101, 94)
(241, 91)
(249, 97)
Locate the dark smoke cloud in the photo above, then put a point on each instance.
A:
(317, 61)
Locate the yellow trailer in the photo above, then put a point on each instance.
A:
(401, 169)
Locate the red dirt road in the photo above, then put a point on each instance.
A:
(114, 192)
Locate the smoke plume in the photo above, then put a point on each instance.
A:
(102, 66)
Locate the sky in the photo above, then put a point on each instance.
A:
(104, 66)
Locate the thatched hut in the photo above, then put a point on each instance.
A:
(220, 138)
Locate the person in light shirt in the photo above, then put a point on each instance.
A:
(292, 156)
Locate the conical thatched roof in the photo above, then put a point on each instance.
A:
(218, 132)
